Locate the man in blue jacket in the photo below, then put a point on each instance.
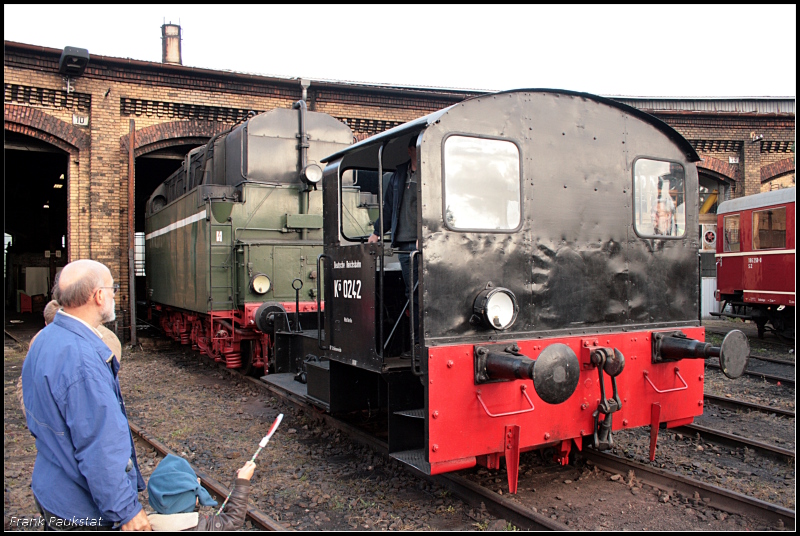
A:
(86, 475)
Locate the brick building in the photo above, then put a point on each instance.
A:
(66, 143)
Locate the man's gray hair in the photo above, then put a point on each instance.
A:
(80, 287)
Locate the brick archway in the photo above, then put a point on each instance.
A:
(41, 126)
(776, 169)
(173, 133)
(74, 141)
(718, 168)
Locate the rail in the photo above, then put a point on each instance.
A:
(256, 516)
(719, 498)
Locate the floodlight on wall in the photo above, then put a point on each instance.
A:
(72, 64)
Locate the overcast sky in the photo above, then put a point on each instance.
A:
(694, 51)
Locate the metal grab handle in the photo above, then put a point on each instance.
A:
(319, 304)
(381, 249)
(297, 327)
(416, 369)
(522, 388)
(678, 374)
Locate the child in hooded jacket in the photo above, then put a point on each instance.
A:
(174, 491)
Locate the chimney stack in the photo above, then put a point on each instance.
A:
(171, 44)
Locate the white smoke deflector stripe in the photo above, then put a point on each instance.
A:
(177, 225)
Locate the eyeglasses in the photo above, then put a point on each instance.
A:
(115, 286)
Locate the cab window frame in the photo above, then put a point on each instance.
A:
(341, 208)
(521, 183)
(635, 206)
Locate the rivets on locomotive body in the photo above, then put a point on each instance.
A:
(450, 363)
(547, 435)
(434, 448)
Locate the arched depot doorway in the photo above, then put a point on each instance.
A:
(159, 151)
(36, 221)
(716, 184)
(151, 169)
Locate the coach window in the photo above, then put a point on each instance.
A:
(482, 184)
(659, 198)
(730, 240)
(769, 228)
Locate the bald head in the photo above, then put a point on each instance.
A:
(78, 280)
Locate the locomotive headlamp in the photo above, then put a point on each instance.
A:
(496, 307)
(312, 174)
(260, 284)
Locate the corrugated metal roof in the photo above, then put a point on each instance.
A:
(750, 105)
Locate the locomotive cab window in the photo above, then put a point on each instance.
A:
(482, 184)
(769, 228)
(359, 203)
(730, 240)
(659, 198)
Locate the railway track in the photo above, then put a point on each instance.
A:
(257, 517)
(528, 519)
(736, 404)
(771, 369)
(778, 379)
(719, 498)
(722, 328)
(467, 491)
(736, 441)
(16, 339)
(474, 494)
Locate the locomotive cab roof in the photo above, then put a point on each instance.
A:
(363, 154)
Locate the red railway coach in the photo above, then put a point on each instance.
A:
(557, 291)
(756, 260)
